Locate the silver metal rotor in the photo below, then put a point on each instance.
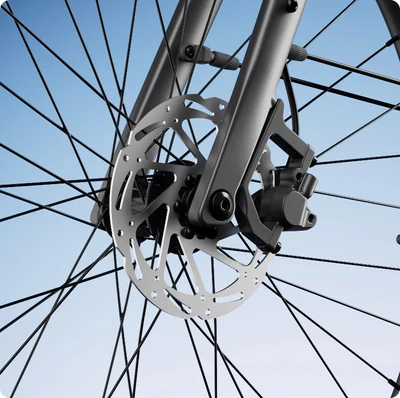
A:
(169, 269)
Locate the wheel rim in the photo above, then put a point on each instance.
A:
(354, 282)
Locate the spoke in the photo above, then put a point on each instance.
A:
(358, 130)
(335, 301)
(223, 66)
(371, 202)
(326, 260)
(39, 183)
(94, 70)
(357, 160)
(387, 44)
(24, 213)
(198, 142)
(54, 123)
(169, 152)
(134, 354)
(44, 207)
(353, 69)
(139, 340)
(55, 306)
(49, 172)
(54, 104)
(214, 339)
(203, 38)
(61, 300)
(329, 24)
(64, 63)
(122, 318)
(286, 303)
(342, 93)
(198, 358)
(171, 61)
(56, 289)
(215, 334)
(227, 359)
(289, 306)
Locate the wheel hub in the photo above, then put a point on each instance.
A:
(183, 270)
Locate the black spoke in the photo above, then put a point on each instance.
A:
(94, 70)
(329, 24)
(371, 202)
(290, 305)
(35, 345)
(169, 152)
(357, 160)
(342, 93)
(358, 130)
(44, 207)
(196, 353)
(43, 80)
(326, 260)
(286, 303)
(203, 38)
(64, 63)
(122, 318)
(48, 172)
(199, 142)
(226, 358)
(40, 183)
(24, 213)
(349, 68)
(61, 299)
(139, 340)
(213, 337)
(307, 104)
(216, 74)
(215, 333)
(335, 301)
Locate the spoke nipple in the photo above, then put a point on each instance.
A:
(190, 181)
(314, 162)
(291, 6)
(188, 233)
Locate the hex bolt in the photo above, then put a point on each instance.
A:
(188, 233)
(189, 51)
(190, 181)
(291, 6)
(178, 206)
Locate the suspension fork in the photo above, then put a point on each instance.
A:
(252, 100)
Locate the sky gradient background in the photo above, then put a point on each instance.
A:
(261, 338)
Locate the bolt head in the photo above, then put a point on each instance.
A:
(291, 6)
(189, 51)
(188, 233)
(221, 205)
(190, 181)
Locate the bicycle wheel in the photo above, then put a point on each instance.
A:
(64, 293)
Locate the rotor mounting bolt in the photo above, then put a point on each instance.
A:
(221, 205)
(190, 181)
(292, 5)
(188, 233)
(178, 206)
(212, 233)
(189, 51)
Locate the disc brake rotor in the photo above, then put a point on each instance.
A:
(182, 270)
